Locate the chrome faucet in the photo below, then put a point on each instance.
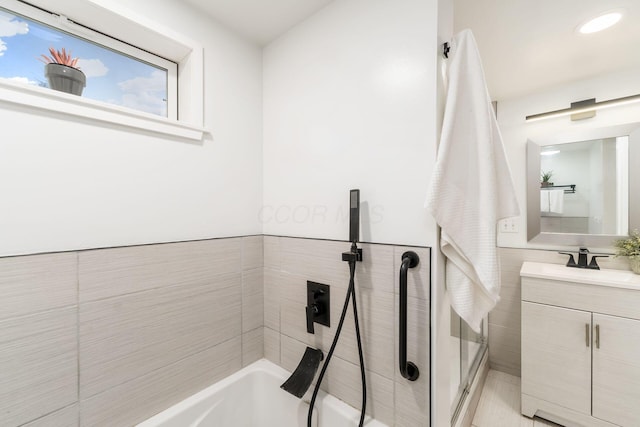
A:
(583, 254)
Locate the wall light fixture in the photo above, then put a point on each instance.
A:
(584, 109)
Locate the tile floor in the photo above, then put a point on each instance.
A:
(499, 404)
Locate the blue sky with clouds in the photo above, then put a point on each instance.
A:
(111, 77)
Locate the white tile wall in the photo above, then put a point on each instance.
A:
(290, 262)
(124, 337)
(38, 365)
(134, 401)
(29, 284)
(252, 346)
(272, 345)
(112, 336)
(111, 272)
(252, 252)
(65, 417)
(412, 398)
(271, 299)
(252, 299)
(154, 324)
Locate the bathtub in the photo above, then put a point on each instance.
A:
(252, 398)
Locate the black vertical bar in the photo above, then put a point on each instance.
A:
(408, 369)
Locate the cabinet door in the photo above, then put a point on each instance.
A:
(616, 370)
(556, 355)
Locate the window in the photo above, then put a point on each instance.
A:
(135, 79)
(126, 86)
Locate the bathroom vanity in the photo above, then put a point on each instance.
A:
(580, 345)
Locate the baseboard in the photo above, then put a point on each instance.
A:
(511, 370)
(558, 414)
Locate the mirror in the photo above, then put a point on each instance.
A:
(600, 170)
(581, 190)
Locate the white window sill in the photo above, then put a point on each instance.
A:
(50, 101)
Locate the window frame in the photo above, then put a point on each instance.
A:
(185, 80)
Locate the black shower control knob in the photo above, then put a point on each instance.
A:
(315, 308)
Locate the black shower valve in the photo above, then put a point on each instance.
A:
(317, 310)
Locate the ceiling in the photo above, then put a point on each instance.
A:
(260, 21)
(528, 45)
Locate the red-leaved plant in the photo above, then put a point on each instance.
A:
(60, 57)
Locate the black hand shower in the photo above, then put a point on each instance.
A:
(354, 216)
(353, 256)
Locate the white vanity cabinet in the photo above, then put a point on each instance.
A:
(616, 370)
(581, 345)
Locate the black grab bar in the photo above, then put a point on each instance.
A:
(408, 370)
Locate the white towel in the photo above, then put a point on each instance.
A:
(471, 187)
(556, 201)
(544, 200)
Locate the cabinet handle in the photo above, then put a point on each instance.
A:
(586, 334)
(597, 336)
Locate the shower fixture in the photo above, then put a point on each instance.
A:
(300, 381)
(318, 303)
(353, 256)
(317, 311)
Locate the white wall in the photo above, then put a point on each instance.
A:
(516, 132)
(68, 184)
(350, 102)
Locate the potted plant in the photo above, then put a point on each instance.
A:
(630, 248)
(62, 72)
(546, 179)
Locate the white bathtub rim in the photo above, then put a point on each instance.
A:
(194, 399)
(262, 365)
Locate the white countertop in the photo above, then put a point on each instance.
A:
(604, 277)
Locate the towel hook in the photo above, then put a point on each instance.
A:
(446, 49)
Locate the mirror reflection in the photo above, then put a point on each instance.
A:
(584, 187)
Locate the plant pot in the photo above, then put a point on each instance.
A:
(634, 262)
(546, 184)
(65, 79)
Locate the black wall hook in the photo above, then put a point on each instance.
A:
(446, 49)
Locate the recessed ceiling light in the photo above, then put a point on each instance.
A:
(600, 23)
(549, 153)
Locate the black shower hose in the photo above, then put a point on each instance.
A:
(351, 293)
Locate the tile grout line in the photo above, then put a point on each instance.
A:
(171, 286)
(48, 414)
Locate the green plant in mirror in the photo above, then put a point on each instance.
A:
(629, 247)
(546, 176)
